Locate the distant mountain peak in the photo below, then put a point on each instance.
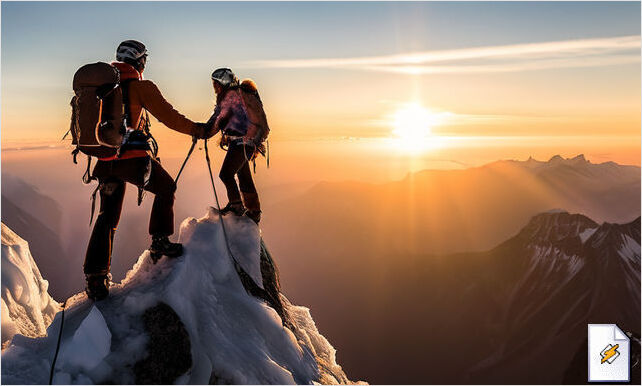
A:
(578, 159)
(557, 226)
(553, 162)
(613, 234)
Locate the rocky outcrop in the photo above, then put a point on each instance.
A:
(168, 348)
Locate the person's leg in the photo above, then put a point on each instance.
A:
(234, 160)
(98, 257)
(248, 189)
(160, 183)
(161, 221)
(246, 183)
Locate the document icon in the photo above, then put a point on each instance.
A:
(608, 354)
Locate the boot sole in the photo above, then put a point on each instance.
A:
(155, 256)
(96, 298)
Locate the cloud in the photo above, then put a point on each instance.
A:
(506, 58)
(31, 147)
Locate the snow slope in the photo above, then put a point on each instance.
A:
(232, 337)
(27, 308)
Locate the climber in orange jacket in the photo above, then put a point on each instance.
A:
(136, 166)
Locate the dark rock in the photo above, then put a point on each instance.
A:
(169, 350)
(270, 292)
(272, 285)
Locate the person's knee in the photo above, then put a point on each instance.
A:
(226, 175)
(109, 188)
(171, 187)
(168, 191)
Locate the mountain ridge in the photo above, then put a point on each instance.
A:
(496, 314)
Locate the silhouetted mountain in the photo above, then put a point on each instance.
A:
(31, 200)
(40, 232)
(447, 211)
(354, 242)
(514, 314)
(572, 272)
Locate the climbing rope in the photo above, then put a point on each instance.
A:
(254, 290)
(55, 358)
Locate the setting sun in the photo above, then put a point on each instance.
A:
(412, 128)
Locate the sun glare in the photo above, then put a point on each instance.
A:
(412, 128)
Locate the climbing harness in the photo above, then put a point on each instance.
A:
(55, 358)
(248, 283)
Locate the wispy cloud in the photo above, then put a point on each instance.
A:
(507, 58)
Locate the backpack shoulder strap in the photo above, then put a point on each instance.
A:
(126, 106)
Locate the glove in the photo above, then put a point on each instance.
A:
(201, 130)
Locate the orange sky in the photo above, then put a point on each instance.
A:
(506, 92)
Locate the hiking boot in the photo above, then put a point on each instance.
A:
(253, 205)
(234, 207)
(161, 246)
(254, 215)
(97, 286)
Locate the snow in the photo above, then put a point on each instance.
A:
(27, 307)
(587, 233)
(630, 253)
(234, 337)
(89, 345)
(630, 249)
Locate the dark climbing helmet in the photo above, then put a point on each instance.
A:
(132, 52)
(225, 77)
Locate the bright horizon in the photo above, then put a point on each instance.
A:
(477, 82)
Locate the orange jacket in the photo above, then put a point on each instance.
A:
(143, 94)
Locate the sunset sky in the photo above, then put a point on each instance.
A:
(387, 121)
(489, 80)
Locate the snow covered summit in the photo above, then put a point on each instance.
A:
(27, 308)
(188, 320)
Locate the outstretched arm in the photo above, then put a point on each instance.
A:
(153, 101)
(218, 120)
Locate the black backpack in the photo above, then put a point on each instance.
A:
(98, 118)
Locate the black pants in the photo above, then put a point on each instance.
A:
(112, 176)
(236, 163)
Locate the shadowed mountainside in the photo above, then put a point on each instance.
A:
(514, 314)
